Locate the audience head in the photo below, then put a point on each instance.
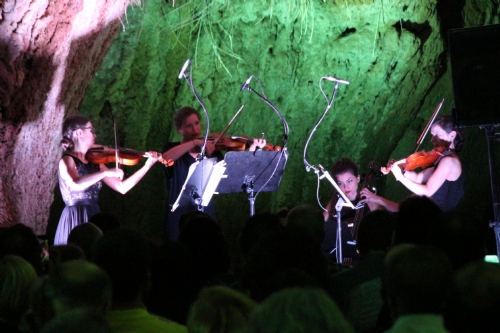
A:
(77, 321)
(297, 310)
(219, 309)
(415, 278)
(126, 256)
(255, 228)
(59, 254)
(105, 221)
(375, 232)
(40, 309)
(204, 239)
(415, 217)
(78, 284)
(461, 236)
(20, 240)
(17, 277)
(173, 282)
(85, 236)
(474, 299)
(284, 259)
(309, 219)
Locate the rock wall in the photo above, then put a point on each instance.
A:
(393, 53)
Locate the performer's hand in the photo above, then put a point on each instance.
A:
(152, 158)
(397, 170)
(209, 148)
(366, 195)
(257, 143)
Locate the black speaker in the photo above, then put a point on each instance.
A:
(475, 72)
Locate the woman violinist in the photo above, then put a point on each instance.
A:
(444, 181)
(184, 153)
(345, 173)
(80, 180)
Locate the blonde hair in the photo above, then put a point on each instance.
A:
(17, 277)
(219, 309)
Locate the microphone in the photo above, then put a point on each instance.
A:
(331, 78)
(247, 82)
(183, 70)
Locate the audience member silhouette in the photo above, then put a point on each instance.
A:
(78, 284)
(415, 217)
(17, 276)
(474, 299)
(78, 321)
(287, 257)
(256, 227)
(40, 309)
(204, 239)
(126, 256)
(414, 282)
(357, 290)
(309, 219)
(297, 310)
(219, 309)
(106, 222)
(85, 236)
(20, 240)
(174, 286)
(461, 236)
(59, 254)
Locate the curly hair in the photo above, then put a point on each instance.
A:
(70, 125)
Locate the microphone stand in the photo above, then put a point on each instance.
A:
(249, 185)
(182, 74)
(343, 200)
(246, 86)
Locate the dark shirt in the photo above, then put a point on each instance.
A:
(450, 193)
(176, 177)
(348, 245)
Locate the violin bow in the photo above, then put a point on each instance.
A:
(107, 110)
(429, 124)
(229, 124)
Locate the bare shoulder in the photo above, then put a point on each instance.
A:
(453, 165)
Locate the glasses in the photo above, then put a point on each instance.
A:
(92, 130)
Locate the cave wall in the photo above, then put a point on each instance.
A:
(393, 53)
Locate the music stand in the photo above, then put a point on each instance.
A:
(248, 170)
(201, 182)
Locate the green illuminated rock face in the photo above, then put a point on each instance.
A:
(392, 52)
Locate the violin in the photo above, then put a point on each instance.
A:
(235, 142)
(104, 155)
(420, 159)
